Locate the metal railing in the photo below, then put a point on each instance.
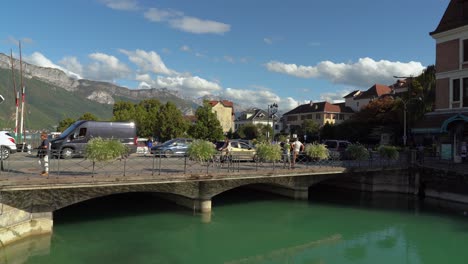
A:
(163, 166)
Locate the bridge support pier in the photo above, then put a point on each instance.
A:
(198, 204)
(16, 224)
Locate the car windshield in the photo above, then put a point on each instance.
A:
(330, 144)
(169, 142)
(69, 130)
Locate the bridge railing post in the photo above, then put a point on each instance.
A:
(159, 164)
(185, 164)
(152, 165)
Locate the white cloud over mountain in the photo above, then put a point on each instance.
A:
(148, 61)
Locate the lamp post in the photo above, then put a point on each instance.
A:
(405, 109)
(272, 109)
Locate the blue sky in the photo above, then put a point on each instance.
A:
(254, 52)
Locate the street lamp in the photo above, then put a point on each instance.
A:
(272, 109)
(405, 109)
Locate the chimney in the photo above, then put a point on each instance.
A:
(311, 103)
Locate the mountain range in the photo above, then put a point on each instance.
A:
(51, 96)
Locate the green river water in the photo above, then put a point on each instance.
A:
(334, 226)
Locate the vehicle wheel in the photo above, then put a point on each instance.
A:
(4, 153)
(66, 153)
(168, 153)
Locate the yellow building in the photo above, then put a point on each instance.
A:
(224, 110)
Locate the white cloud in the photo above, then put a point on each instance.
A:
(229, 59)
(106, 68)
(144, 85)
(178, 20)
(363, 73)
(126, 5)
(143, 78)
(192, 86)
(268, 41)
(185, 48)
(199, 26)
(259, 98)
(72, 64)
(334, 97)
(39, 59)
(160, 15)
(148, 61)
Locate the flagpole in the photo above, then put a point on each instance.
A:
(16, 93)
(22, 96)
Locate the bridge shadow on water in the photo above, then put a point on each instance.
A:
(116, 206)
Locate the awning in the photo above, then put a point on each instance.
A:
(436, 123)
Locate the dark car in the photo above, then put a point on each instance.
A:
(176, 146)
(72, 142)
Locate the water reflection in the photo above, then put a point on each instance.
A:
(21, 251)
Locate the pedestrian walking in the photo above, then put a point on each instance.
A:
(287, 153)
(43, 154)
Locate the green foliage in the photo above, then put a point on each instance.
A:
(317, 151)
(310, 128)
(171, 123)
(251, 131)
(88, 116)
(328, 131)
(201, 150)
(207, 126)
(357, 152)
(145, 119)
(268, 152)
(123, 111)
(64, 124)
(99, 149)
(388, 152)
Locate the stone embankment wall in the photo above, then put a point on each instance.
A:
(434, 183)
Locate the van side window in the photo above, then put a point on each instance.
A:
(82, 132)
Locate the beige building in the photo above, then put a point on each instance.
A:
(320, 112)
(224, 110)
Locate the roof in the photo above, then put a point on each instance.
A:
(255, 114)
(375, 91)
(317, 108)
(344, 108)
(352, 94)
(225, 103)
(455, 16)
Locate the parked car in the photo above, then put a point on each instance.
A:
(240, 150)
(176, 146)
(7, 145)
(337, 148)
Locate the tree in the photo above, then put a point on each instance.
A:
(310, 128)
(171, 123)
(145, 117)
(123, 111)
(88, 117)
(65, 123)
(207, 126)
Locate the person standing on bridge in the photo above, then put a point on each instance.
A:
(43, 154)
(297, 147)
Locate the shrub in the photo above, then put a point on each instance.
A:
(201, 150)
(317, 151)
(269, 152)
(357, 152)
(388, 152)
(99, 149)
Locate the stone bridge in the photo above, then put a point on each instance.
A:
(27, 206)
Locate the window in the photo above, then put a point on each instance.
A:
(341, 116)
(465, 50)
(465, 92)
(357, 104)
(456, 90)
(317, 116)
(292, 118)
(303, 117)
